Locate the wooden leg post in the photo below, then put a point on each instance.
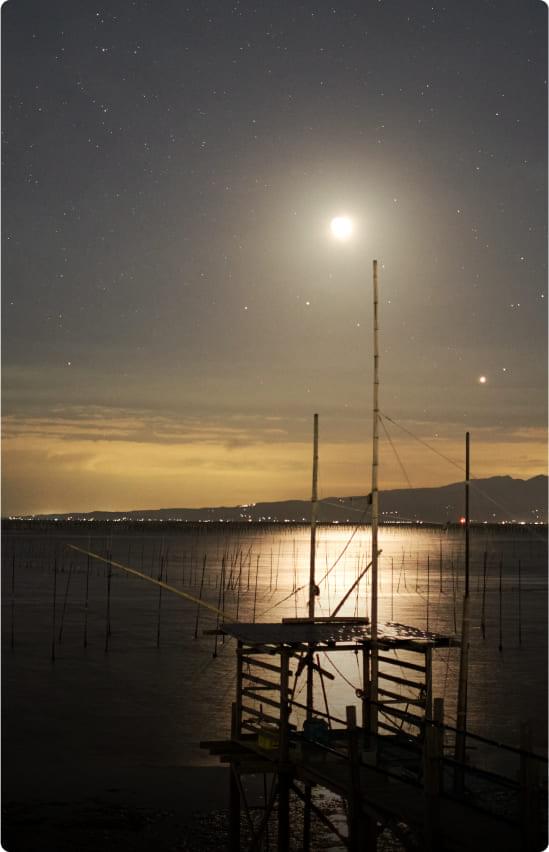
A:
(283, 768)
(432, 764)
(362, 828)
(366, 707)
(234, 793)
(529, 792)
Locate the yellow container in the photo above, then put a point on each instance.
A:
(268, 738)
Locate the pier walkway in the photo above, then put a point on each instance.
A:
(396, 770)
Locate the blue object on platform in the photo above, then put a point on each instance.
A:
(316, 731)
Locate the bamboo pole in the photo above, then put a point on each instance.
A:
(500, 645)
(65, 598)
(313, 592)
(12, 631)
(108, 613)
(428, 590)
(440, 569)
(461, 723)
(86, 596)
(375, 506)
(158, 617)
(483, 606)
(392, 590)
(53, 608)
(238, 587)
(255, 587)
(519, 605)
(219, 610)
(200, 596)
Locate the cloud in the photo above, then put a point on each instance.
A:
(87, 458)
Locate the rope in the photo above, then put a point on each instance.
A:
(354, 532)
(153, 581)
(346, 679)
(461, 468)
(282, 600)
(403, 469)
(425, 444)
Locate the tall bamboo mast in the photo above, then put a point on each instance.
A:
(375, 510)
(461, 723)
(312, 596)
(314, 505)
(312, 581)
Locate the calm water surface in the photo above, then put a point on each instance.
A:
(156, 691)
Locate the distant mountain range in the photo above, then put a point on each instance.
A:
(495, 500)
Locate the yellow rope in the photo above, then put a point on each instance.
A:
(152, 580)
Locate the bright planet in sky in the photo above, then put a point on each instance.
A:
(482, 380)
(341, 227)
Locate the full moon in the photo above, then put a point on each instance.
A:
(341, 227)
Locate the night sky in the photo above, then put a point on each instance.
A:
(175, 308)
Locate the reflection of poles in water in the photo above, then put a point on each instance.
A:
(454, 594)
(519, 605)
(483, 607)
(53, 608)
(86, 596)
(461, 723)
(239, 582)
(159, 600)
(200, 596)
(12, 637)
(65, 598)
(108, 613)
(216, 632)
(440, 569)
(402, 573)
(500, 645)
(255, 588)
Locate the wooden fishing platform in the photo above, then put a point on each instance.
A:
(392, 770)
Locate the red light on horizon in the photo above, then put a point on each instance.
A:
(463, 520)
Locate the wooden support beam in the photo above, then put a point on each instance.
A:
(284, 777)
(432, 776)
(238, 687)
(529, 806)
(267, 684)
(366, 696)
(404, 664)
(254, 661)
(415, 684)
(429, 683)
(362, 827)
(257, 837)
(412, 718)
(259, 714)
(321, 816)
(234, 791)
(402, 699)
(250, 693)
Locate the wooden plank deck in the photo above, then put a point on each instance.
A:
(459, 825)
